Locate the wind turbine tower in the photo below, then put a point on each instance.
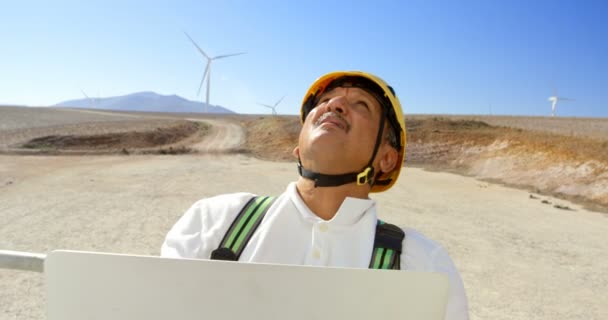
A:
(273, 107)
(554, 99)
(207, 72)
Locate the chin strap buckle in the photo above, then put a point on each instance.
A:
(365, 176)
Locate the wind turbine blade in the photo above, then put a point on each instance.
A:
(91, 101)
(565, 99)
(196, 45)
(203, 79)
(228, 55)
(276, 104)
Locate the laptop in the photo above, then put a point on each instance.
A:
(93, 285)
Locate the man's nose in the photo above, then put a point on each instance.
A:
(338, 104)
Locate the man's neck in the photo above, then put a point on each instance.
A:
(325, 201)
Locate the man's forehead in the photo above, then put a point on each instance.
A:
(346, 89)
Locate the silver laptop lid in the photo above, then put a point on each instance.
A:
(87, 285)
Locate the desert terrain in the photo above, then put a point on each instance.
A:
(519, 203)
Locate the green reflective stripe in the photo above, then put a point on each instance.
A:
(378, 258)
(388, 259)
(242, 221)
(380, 222)
(373, 259)
(265, 202)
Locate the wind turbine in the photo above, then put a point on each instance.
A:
(274, 107)
(554, 99)
(207, 73)
(91, 101)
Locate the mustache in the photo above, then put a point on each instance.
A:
(333, 114)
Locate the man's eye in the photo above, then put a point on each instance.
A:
(363, 104)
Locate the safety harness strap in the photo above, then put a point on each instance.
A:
(388, 244)
(242, 229)
(387, 241)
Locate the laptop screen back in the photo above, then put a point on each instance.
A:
(86, 285)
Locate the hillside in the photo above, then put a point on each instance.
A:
(144, 101)
(552, 156)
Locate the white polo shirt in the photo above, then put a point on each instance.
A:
(291, 234)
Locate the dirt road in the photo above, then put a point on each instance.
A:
(519, 258)
(224, 137)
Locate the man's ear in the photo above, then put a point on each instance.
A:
(296, 152)
(388, 158)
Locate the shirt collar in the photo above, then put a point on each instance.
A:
(351, 210)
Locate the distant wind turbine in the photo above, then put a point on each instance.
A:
(554, 99)
(207, 73)
(91, 101)
(274, 107)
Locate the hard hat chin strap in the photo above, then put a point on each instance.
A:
(361, 178)
(334, 180)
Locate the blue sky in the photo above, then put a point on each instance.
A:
(448, 57)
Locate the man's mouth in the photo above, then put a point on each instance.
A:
(334, 119)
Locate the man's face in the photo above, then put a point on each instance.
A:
(339, 133)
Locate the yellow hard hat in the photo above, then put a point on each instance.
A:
(388, 100)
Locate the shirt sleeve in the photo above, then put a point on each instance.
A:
(423, 254)
(201, 229)
(184, 238)
(457, 307)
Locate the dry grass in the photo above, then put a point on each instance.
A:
(478, 133)
(595, 128)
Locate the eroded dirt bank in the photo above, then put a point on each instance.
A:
(567, 165)
(570, 167)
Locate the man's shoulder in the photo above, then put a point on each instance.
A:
(418, 239)
(226, 200)
(219, 208)
(422, 252)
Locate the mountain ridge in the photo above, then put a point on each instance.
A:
(147, 101)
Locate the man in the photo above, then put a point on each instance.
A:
(352, 143)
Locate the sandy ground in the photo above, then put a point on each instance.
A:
(519, 258)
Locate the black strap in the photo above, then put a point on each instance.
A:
(333, 180)
(242, 229)
(387, 241)
(388, 244)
